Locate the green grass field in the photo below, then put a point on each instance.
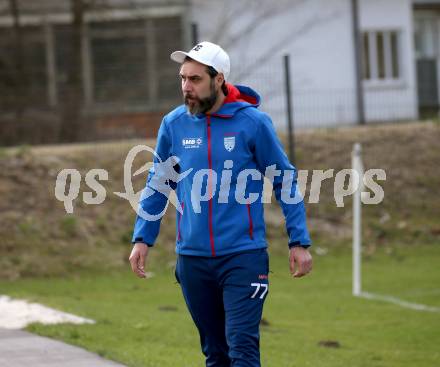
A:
(78, 262)
(145, 322)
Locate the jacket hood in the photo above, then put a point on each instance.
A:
(239, 97)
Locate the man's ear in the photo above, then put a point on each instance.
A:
(220, 78)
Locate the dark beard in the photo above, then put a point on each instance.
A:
(202, 105)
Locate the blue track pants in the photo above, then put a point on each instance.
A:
(225, 297)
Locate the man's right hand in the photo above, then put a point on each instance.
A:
(137, 259)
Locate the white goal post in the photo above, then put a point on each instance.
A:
(357, 165)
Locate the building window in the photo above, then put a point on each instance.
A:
(381, 61)
(125, 63)
(23, 74)
(119, 59)
(130, 61)
(426, 38)
(122, 65)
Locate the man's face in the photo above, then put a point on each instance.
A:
(199, 90)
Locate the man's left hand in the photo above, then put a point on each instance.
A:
(300, 261)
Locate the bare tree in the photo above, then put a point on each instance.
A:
(240, 20)
(74, 123)
(19, 79)
(72, 101)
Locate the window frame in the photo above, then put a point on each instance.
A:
(371, 67)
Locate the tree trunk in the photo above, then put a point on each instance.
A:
(19, 79)
(72, 121)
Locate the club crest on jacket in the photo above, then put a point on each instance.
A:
(229, 142)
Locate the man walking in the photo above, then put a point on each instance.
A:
(224, 145)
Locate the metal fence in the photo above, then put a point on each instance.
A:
(325, 107)
(115, 80)
(55, 75)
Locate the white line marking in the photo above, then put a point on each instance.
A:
(399, 302)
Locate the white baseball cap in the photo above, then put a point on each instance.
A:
(206, 53)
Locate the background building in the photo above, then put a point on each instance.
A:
(79, 70)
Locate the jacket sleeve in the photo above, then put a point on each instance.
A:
(268, 152)
(146, 231)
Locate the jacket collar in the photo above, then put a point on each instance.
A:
(238, 97)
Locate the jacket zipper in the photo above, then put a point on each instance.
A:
(211, 232)
(251, 226)
(180, 219)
